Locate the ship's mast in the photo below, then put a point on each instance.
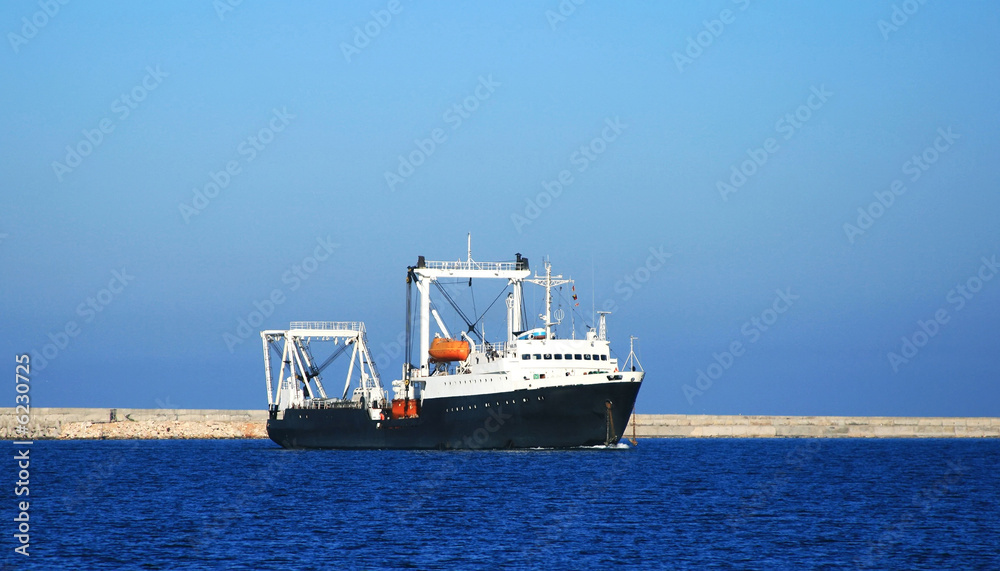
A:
(548, 281)
(602, 327)
(632, 360)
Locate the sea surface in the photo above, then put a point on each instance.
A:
(678, 503)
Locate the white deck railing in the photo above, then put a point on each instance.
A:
(329, 325)
(473, 265)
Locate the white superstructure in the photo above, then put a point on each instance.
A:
(530, 359)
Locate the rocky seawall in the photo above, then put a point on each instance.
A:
(138, 424)
(716, 426)
(134, 424)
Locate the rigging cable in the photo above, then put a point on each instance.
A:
(573, 308)
(458, 309)
(471, 324)
(503, 291)
(330, 359)
(474, 312)
(524, 312)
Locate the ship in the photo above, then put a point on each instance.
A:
(531, 389)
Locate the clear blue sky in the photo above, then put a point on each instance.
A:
(667, 99)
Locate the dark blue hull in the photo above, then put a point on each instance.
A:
(556, 417)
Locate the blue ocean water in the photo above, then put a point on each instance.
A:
(679, 503)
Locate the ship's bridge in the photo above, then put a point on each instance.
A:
(564, 352)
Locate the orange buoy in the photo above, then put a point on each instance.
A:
(449, 350)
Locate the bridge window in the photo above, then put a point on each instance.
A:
(548, 356)
(586, 357)
(558, 356)
(579, 356)
(597, 357)
(526, 357)
(604, 357)
(568, 357)
(538, 356)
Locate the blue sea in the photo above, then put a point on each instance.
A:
(678, 503)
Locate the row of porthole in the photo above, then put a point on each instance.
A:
(465, 381)
(487, 405)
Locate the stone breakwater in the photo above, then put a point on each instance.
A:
(715, 426)
(139, 424)
(134, 424)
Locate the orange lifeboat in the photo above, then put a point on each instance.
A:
(402, 408)
(449, 350)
